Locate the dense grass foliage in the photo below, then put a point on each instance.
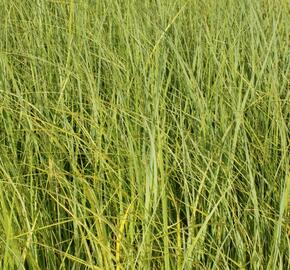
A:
(144, 134)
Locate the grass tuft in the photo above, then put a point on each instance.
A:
(144, 135)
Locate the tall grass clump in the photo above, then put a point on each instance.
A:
(144, 134)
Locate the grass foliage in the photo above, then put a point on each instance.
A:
(144, 134)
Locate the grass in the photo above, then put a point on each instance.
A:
(144, 134)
